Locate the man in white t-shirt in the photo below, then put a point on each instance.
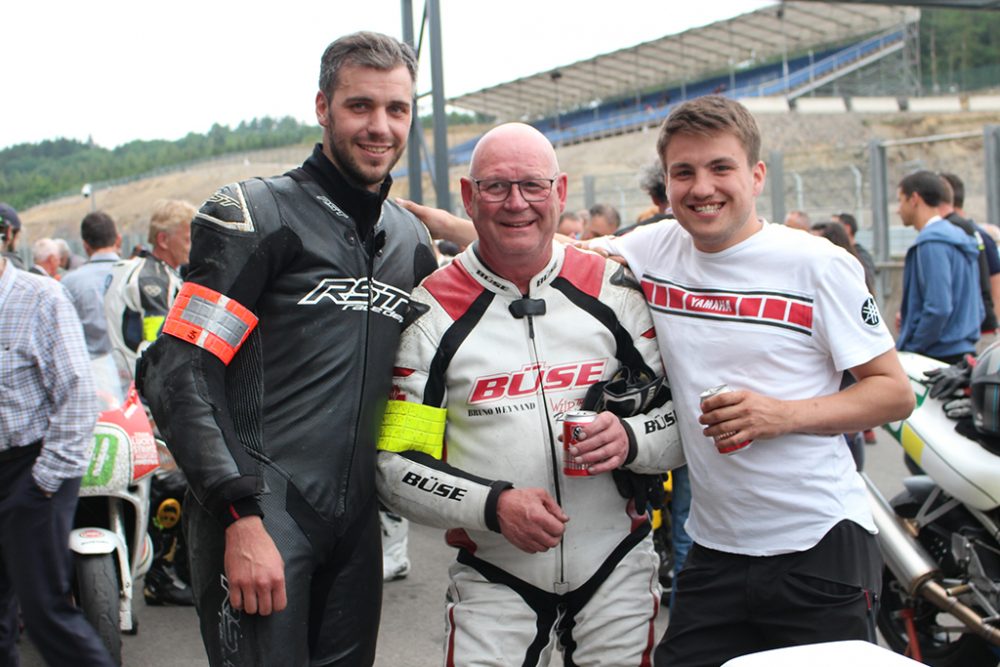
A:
(784, 549)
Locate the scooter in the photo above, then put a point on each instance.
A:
(939, 537)
(111, 546)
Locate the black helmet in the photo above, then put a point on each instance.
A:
(986, 391)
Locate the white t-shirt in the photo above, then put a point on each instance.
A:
(781, 314)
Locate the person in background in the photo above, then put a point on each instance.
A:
(10, 230)
(836, 233)
(45, 425)
(45, 253)
(989, 259)
(798, 220)
(604, 220)
(68, 260)
(570, 225)
(654, 185)
(850, 224)
(87, 285)
(143, 287)
(942, 306)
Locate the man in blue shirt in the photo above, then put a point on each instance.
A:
(942, 309)
(88, 284)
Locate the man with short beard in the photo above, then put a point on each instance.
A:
(274, 365)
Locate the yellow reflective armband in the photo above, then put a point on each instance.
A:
(413, 427)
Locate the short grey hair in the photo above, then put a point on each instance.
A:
(364, 49)
(44, 248)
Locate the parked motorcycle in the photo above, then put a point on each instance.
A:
(939, 537)
(111, 546)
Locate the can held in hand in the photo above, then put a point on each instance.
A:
(573, 423)
(731, 449)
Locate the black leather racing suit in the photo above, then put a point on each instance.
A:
(288, 428)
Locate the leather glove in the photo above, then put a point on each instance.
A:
(951, 379)
(958, 408)
(645, 490)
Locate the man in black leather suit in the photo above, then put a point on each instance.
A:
(274, 369)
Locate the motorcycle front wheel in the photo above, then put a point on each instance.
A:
(97, 595)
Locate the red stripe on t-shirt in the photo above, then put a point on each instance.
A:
(774, 309)
(454, 289)
(801, 314)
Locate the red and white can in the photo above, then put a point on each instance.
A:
(731, 449)
(573, 423)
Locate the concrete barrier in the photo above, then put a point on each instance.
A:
(949, 104)
(984, 102)
(765, 104)
(820, 105)
(874, 104)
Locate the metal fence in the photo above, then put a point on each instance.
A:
(860, 180)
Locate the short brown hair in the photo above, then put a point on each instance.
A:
(364, 49)
(709, 115)
(168, 215)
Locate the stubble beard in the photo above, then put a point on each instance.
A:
(349, 166)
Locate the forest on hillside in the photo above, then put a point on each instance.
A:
(31, 173)
(959, 50)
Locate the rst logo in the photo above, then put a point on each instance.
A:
(534, 377)
(354, 294)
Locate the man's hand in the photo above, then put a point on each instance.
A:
(442, 224)
(604, 445)
(254, 568)
(531, 519)
(735, 416)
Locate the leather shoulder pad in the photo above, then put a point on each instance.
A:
(227, 208)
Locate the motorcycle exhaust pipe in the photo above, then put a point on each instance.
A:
(913, 567)
(934, 592)
(908, 561)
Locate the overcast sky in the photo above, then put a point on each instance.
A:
(119, 71)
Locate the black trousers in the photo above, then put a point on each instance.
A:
(35, 570)
(333, 584)
(729, 605)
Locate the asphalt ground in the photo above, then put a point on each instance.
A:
(412, 628)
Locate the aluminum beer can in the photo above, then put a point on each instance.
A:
(731, 449)
(573, 423)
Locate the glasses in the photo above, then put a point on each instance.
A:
(495, 190)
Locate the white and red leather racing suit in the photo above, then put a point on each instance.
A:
(483, 378)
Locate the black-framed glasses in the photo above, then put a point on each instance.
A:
(496, 190)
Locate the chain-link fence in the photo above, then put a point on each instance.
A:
(824, 182)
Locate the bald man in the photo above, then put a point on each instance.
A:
(500, 345)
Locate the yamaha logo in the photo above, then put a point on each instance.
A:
(869, 312)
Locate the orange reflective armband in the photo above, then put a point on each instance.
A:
(210, 320)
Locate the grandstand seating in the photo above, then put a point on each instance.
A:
(804, 74)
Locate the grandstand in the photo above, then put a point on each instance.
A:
(783, 52)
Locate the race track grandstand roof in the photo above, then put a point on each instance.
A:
(742, 41)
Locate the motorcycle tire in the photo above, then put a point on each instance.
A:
(937, 648)
(97, 595)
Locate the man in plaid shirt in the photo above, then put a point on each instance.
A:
(47, 415)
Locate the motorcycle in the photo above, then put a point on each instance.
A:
(940, 538)
(663, 540)
(111, 545)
